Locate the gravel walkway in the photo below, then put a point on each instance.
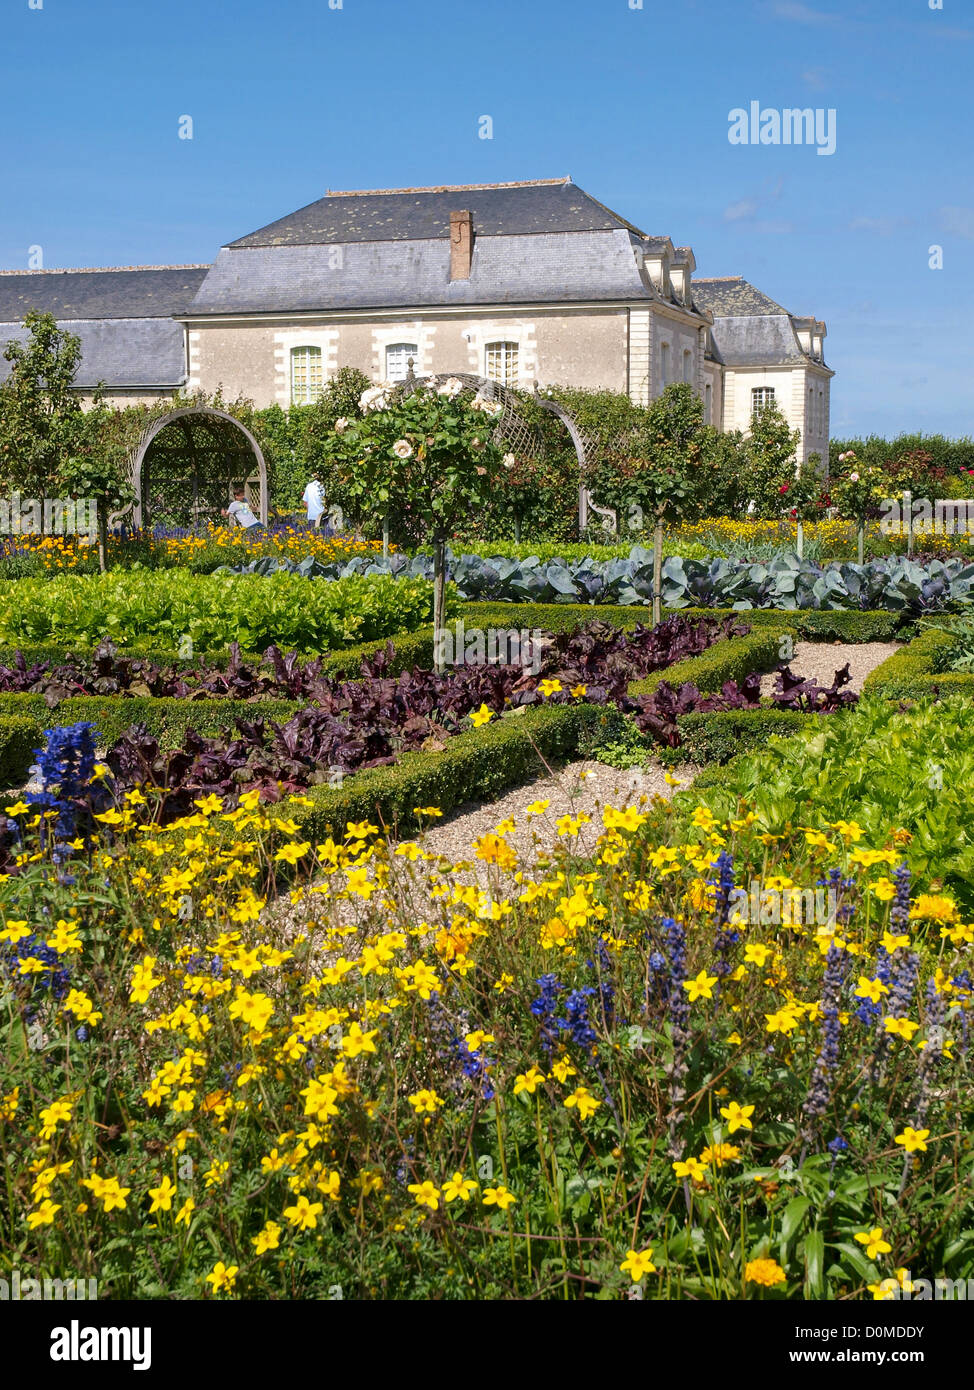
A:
(820, 661)
(575, 788)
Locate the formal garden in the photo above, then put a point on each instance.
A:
(293, 1009)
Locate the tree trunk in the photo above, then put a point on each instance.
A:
(658, 574)
(517, 529)
(800, 540)
(861, 543)
(439, 602)
(385, 535)
(101, 512)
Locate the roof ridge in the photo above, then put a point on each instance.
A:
(102, 269)
(714, 279)
(444, 188)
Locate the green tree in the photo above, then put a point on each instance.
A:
(40, 415)
(653, 476)
(97, 470)
(770, 450)
(428, 448)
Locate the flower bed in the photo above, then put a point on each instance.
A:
(601, 1076)
(901, 775)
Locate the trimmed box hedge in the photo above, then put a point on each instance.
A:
(20, 737)
(167, 719)
(481, 764)
(909, 674)
(716, 736)
(729, 660)
(478, 765)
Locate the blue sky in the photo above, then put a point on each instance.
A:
(292, 99)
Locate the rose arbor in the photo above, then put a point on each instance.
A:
(426, 447)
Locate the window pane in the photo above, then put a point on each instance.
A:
(307, 375)
(501, 363)
(397, 360)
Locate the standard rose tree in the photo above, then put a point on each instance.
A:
(424, 448)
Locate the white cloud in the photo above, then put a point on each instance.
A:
(958, 222)
(747, 207)
(878, 226)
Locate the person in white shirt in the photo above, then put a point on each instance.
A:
(313, 498)
(240, 511)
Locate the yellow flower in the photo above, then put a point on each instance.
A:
(874, 1242)
(222, 1276)
(528, 1081)
(901, 1028)
(427, 811)
(549, 687)
(185, 1211)
(913, 1140)
(304, 1214)
(737, 1116)
(498, 1197)
(702, 987)
(162, 1195)
(425, 1102)
(638, 1263)
(719, 1154)
(267, 1239)
(44, 1215)
(933, 907)
(870, 989)
(690, 1168)
(583, 1100)
(459, 1186)
(481, 716)
(425, 1194)
(764, 1272)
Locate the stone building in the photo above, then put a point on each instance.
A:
(520, 282)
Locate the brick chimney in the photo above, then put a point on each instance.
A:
(461, 245)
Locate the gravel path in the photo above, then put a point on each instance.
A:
(575, 788)
(820, 661)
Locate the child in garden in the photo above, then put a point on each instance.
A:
(239, 509)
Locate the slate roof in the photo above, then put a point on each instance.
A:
(423, 214)
(119, 352)
(549, 267)
(731, 296)
(131, 292)
(750, 329)
(758, 341)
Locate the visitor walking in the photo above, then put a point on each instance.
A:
(313, 498)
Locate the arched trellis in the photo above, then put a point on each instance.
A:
(514, 430)
(186, 418)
